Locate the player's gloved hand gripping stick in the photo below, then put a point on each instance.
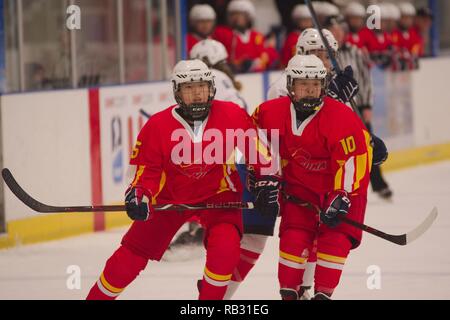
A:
(341, 209)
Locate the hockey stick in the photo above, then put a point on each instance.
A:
(333, 59)
(23, 196)
(144, 113)
(402, 239)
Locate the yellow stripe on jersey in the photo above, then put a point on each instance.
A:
(255, 116)
(291, 257)
(262, 149)
(223, 182)
(217, 277)
(369, 148)
(232, 158)
(162, 183)
(338, 176)
(108, 286)
(138, 175)
(330, 258)
(361, 167)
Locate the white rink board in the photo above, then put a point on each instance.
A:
(46, 146)
(431, 101)
(119, 126)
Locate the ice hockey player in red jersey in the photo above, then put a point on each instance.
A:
(176, 167)
(257, 228)
(355, 14)
(407, 39)
(380, 42)
(246, 47)
(202, 21)
(301, 18)
(326, 157)
(214, 55)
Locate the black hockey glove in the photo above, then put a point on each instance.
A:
(380, 152)
(138, 203)
(343, 86)
(337, 203)
(268, 195)
(251, 180)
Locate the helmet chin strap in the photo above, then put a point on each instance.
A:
(194, 111)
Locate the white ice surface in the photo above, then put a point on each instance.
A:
(420, 270)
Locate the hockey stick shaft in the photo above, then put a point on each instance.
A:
(32, 203)
(355, 224)
(333, 59)
(144, 113)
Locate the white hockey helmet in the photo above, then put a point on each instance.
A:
(191, 71)
(389, 11)
(328, 9)
(318, 7)
(187, 71)
(355, 9)
(245, 6)
(301, 11)
(407, 9)
(395, 11)
(202, 12)
(306, 67)
(212, 50)
(310, 40)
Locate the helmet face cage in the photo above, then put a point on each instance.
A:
(194, 111)
(307, 105)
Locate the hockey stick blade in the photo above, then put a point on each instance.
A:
(37, 206)
(401, 239)
(423, 227)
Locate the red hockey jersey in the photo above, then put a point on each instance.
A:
(244, 47)
(409, 40)
(289, 47)
(328, 151)
(375, 41)
(191, 40)
(179, 164)
(357, 39)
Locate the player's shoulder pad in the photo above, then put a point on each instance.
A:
(223, 30)
(158, 118)
(272, 110)
(338, 112)
(276, 105)
(227, 105)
